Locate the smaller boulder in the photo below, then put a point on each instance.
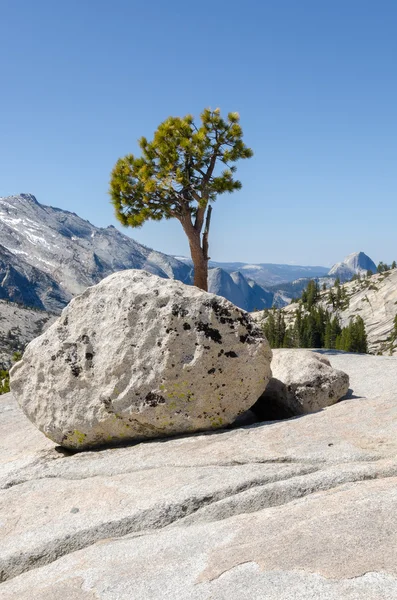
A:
(303, 382)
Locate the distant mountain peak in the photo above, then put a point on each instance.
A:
(356, 263)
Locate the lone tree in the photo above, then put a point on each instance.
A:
(178, 176)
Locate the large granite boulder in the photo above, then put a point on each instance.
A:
(137, 356)
(303, 382)
(301, 509)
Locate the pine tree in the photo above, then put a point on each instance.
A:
(332, 298)
(289, 341)
(335, 331)
(353, 338)
(338, 301)
(358, 336)
(382, 267)
(178, 177)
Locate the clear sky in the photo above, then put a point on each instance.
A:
(315, 83)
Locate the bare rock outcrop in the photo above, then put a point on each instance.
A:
(301, 509)
(136, 357)
(303, 382)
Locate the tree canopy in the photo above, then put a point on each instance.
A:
(179, 173)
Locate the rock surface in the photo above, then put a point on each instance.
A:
(18, 326)
(302, 382)
(374, 300)
(136, 357)
(296, 510)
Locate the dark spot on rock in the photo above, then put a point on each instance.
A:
(231, 354)
(159, 344)
(222, 313)
(211, 371)
(53, 357)
(223, 321)
(66, 435)
(186, 326)
(179, 311)
(89, 355)
(107, 402)
(75, 510)
(85, 339)
(209, 332)
(76, 370)
(220, 353)
(153, 399)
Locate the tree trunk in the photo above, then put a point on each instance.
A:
(198, 251)
(200, 263)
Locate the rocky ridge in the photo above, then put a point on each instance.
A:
(375, 300)
(18, 326)
(300, 509)
(71, 251)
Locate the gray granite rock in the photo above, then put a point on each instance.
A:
(374, 299)
(136, 357)
(295, 510)
(302, 382)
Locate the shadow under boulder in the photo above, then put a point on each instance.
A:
(303, 382)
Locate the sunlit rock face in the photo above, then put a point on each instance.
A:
(138, 356)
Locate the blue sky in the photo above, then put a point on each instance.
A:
(315, 83)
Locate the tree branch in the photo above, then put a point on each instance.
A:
(206, 233)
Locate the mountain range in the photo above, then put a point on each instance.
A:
(267, 274)
(48, 255)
